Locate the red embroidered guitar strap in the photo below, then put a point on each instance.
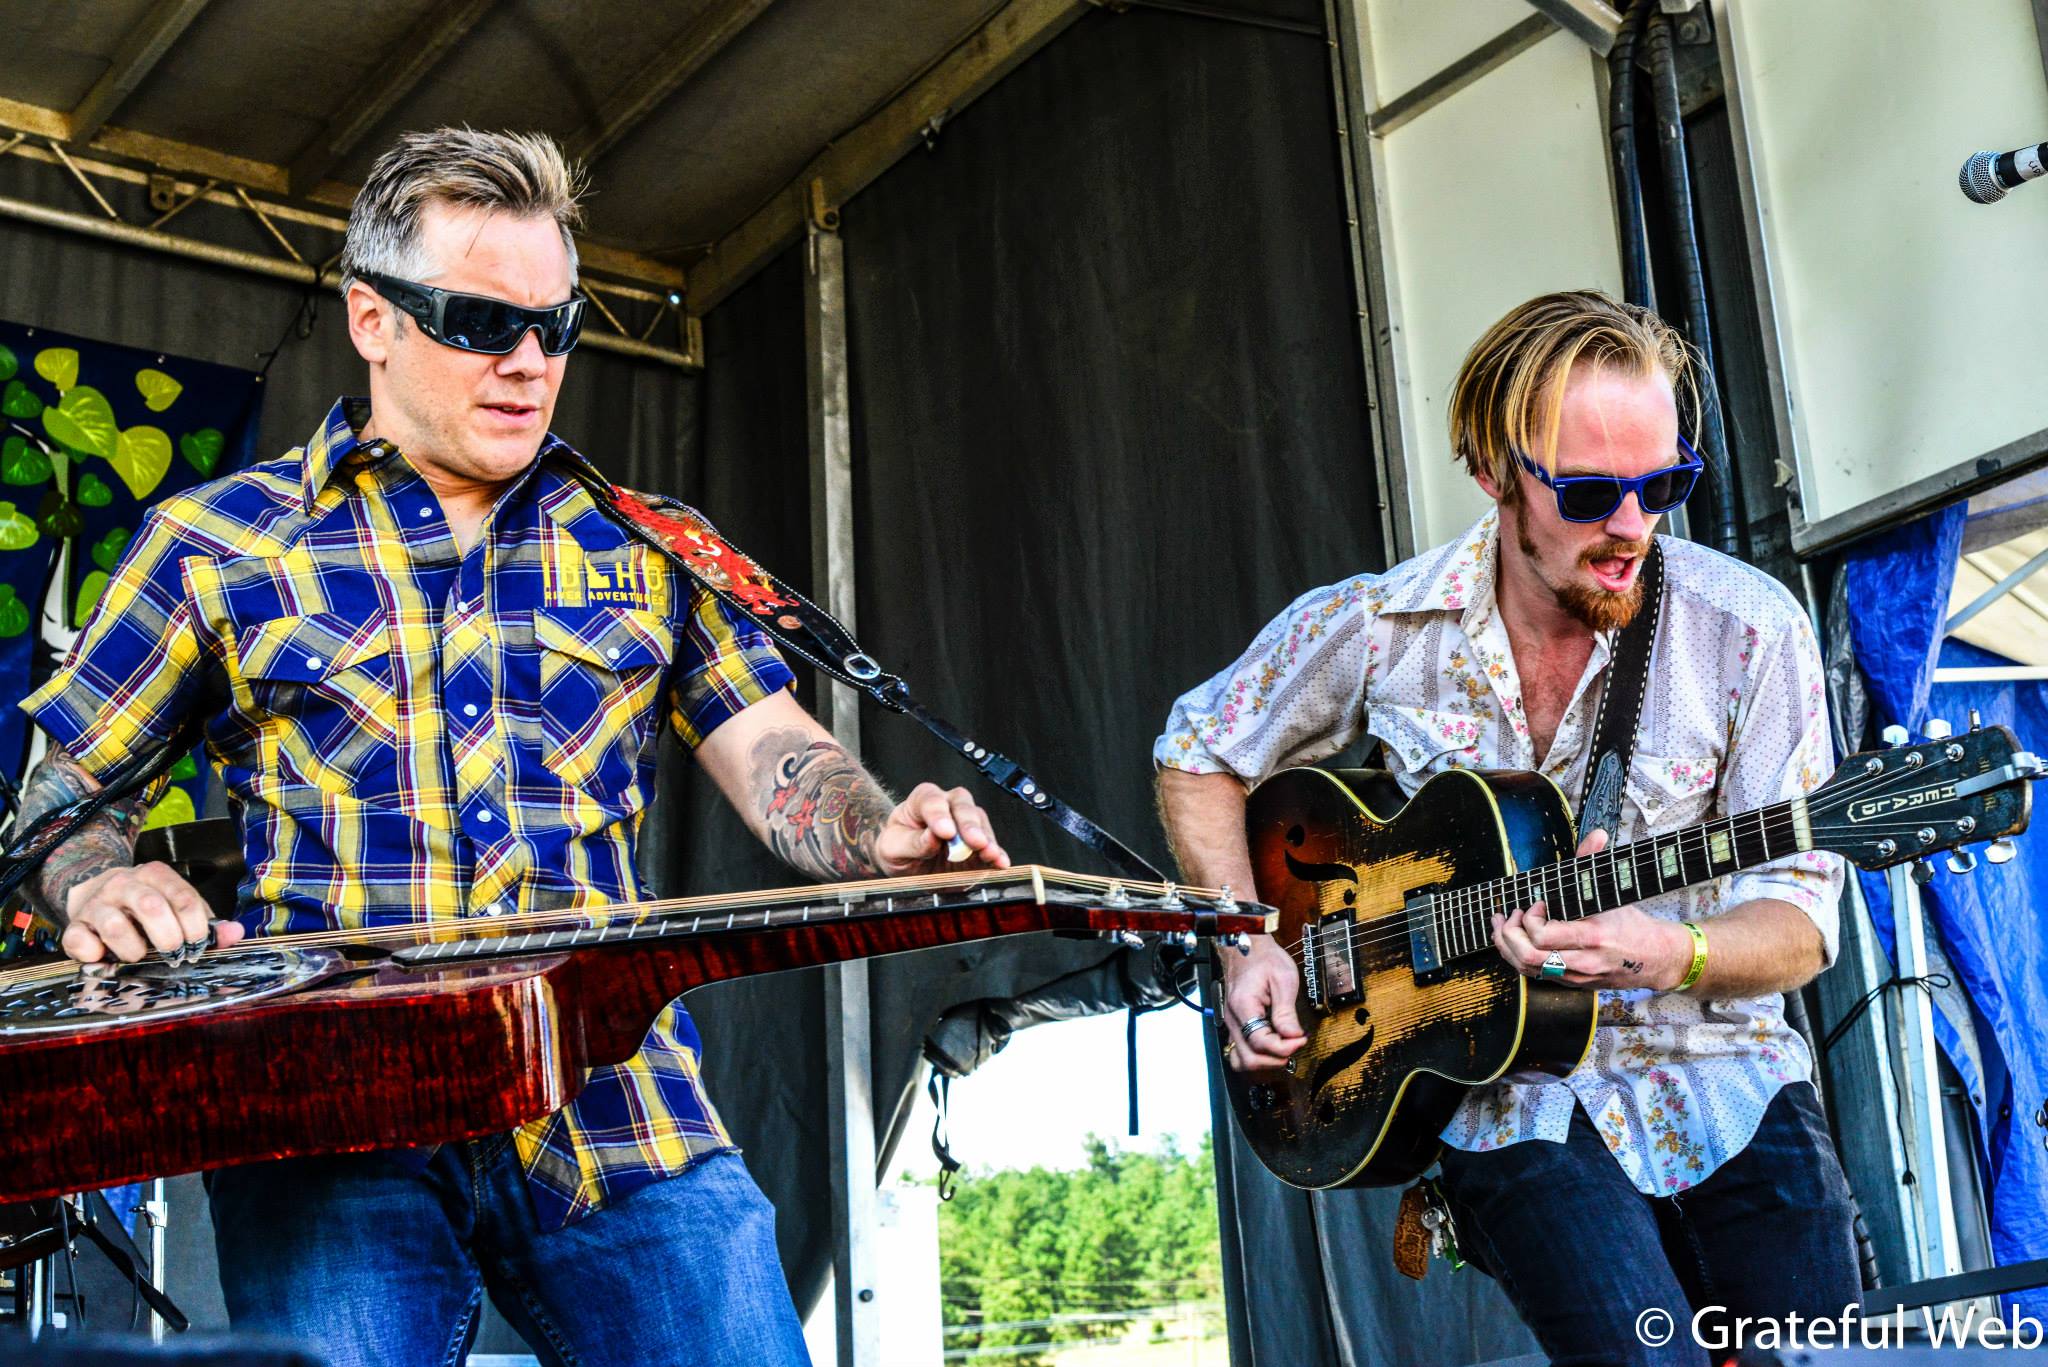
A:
(813, 635)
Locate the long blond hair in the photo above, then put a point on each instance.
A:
(1509, 392)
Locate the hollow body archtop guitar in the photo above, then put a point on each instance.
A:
(1386, 904)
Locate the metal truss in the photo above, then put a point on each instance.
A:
(633, 320)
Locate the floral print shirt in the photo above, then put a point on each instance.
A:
(1733, 719)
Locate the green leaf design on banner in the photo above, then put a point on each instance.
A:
(58, 365)
(202, 449)
(174, 808)
(23, 462)
(89, 590)
(159, 391)
(13, 612)
(17, 529)
(58, 516)
(185, 768)
(141, 456)
(106, 553)
(93, 491)
(9, 364)
(19, 401)
(84, 421)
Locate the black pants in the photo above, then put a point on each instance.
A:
(1589, 1261)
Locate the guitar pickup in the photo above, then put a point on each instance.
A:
(1330, 962)
(1425, 954)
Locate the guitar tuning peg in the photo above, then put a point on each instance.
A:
(2001, 851)
(1923, 872)
(1896, 734)
(1961, 861)
(1937, 729)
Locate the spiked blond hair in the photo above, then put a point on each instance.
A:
(524, 174)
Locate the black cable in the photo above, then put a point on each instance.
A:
(1621, 141)
(1727, 530)
(70, 1260)
(303, 318)
(1926, 983)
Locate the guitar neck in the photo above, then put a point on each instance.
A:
(1590, 884)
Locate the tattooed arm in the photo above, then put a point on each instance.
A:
(812, 803)
(91, 886)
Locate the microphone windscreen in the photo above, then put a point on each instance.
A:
(1979, 180)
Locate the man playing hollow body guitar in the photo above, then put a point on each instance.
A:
(1685, 1163)
(433, 673)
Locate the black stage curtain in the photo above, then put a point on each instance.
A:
(1109, 418)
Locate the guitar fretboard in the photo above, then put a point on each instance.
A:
(1590, 884)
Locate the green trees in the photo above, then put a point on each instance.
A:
(1029, 1260)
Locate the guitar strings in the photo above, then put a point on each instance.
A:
(1468, 909)
(1457, 906)
(1690, 841)
(1466, 912)
(1531, 882)
(627, 915)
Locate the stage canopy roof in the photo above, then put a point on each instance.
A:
(713, 126)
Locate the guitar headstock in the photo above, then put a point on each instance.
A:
(1120, 909)
(1885, 807)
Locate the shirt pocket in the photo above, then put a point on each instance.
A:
(601, 671)
(1421, 742)
(329, 678)
(1670, 793)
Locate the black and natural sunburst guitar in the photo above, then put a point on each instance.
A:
(1386, 904)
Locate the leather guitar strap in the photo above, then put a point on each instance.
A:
(803, 629)
(1621, 706)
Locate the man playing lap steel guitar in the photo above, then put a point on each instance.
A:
(1685, 1162)
(443, 671)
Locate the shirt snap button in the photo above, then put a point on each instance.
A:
(611, 653)
(469, 709)
(483, 816)
(314, 662)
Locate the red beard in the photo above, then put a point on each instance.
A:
(1596, 608)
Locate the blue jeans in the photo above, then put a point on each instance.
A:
(374, 1263)
(1582, 1253)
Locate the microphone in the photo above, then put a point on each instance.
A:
(1986, 176)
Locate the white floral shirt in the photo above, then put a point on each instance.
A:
(1733, 719)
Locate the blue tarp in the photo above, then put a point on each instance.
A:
(1993, 922)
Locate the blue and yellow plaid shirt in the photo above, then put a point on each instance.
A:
(417, 734)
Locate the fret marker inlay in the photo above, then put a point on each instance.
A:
(1722, 849)
(1667, 861)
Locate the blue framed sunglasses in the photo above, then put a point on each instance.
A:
(1593, 498)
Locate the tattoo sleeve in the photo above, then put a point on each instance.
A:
(105, 842)
(821, 810)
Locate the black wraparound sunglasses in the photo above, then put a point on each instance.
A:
(477, 322)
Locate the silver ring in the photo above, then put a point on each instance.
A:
(1553, 967)
(1253, 1026)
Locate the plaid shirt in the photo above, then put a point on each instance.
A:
(417, 734)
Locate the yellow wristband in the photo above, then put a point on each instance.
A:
(1699, 956)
